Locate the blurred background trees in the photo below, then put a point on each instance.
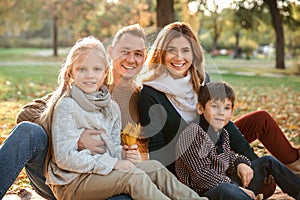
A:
(239, 28)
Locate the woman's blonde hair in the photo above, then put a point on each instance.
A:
(82, 47)
(155, 63)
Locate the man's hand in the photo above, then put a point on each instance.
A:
(88, 141)
(245, 173)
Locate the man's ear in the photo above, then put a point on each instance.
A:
(109, 51)
(200, 108)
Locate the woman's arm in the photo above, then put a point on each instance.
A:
(238, 143)
(152, 118)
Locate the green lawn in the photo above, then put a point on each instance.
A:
(25, 75)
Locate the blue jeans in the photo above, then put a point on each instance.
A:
(263, 167)
(27, 147)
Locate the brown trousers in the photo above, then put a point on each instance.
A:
(150, 180)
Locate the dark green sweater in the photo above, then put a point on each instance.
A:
(163, 124)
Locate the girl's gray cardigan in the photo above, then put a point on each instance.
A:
(69, 121)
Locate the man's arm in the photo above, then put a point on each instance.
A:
(33, 110)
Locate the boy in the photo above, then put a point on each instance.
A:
(205, 162)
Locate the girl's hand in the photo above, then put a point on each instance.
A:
(245, 173)
(250, 193)
(124, 165)
(132, 153)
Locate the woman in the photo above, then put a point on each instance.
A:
(167, 102)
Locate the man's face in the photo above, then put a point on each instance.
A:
(128, 56)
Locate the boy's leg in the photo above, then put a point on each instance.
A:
(225, 191)
(285, 179)
(260, 125)
(26, 147)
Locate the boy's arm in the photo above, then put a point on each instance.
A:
(238, 143)
(33, 110)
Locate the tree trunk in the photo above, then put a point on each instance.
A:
(277, 24)
(164, 12)
(55, 36)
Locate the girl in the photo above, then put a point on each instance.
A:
(83, 101)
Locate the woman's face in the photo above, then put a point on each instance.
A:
(179, 57)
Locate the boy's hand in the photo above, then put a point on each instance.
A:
(132, 153)
(124, 165)
(245, 173)
(87, 141)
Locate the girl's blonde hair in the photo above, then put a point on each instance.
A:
(82, 47)
(155, 62)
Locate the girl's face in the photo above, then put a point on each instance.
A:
(179, 57)
(216, 112)
(89, 72)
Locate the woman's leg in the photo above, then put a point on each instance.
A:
(167, 182)
(260, 125)
(225, 191)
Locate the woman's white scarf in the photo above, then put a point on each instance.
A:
(179, 92)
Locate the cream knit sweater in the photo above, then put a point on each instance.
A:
(69, 121)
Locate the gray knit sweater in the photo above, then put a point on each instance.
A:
(69, 121)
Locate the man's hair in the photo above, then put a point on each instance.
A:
(134, 29)
(216, 90)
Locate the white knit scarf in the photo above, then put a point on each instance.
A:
(179, 92)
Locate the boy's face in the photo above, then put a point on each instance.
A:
(216, 112)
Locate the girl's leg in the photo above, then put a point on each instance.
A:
(260, 125)
(135, 182)
(285, 179)
(167, 182)
(225, 191)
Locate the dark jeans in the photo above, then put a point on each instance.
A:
(263, 167)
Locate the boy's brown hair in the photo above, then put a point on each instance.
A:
(216, 90)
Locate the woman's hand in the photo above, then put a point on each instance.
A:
(131, 153)
(245, 173)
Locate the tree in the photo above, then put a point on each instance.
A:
(164, 12)
(278, 28)
(280, 11)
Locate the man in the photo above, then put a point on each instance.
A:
(28, 142)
